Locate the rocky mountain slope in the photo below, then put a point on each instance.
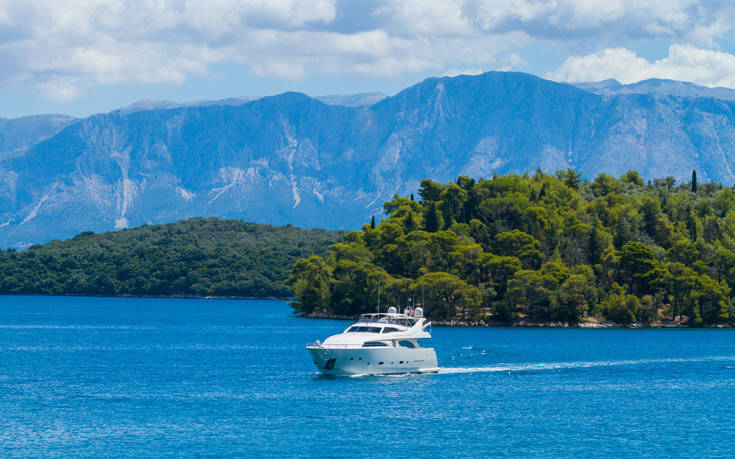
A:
(294, 159)
(19, 134)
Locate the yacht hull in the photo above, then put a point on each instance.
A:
(366, 361)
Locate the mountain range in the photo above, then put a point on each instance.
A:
(331, 163)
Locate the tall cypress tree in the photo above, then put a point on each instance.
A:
(433, 221)
(372, 223)
(409, 222)
(691, 223)
(594, 246)
(694, 181)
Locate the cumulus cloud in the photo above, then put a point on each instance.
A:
(65, 46)
(611, 19)
(684, 62)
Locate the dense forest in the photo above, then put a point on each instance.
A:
(540, 248)
(196, 257)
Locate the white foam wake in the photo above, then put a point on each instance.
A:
(575, 365)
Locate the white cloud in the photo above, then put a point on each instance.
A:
(65, 46)
(621, 18)
(514, 62)
(59, 91)
(684, 62)
(280, 69)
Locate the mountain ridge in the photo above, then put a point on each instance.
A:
(19, 134)
(658, 86)
(290, 158)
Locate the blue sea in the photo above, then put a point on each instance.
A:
(159, 377)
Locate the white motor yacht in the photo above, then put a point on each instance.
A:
(381, 343)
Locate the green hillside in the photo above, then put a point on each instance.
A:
(541, 248)
(196, 257)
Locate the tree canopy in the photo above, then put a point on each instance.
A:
(540, 248)
(196, 257)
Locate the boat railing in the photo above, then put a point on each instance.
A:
(378, 321)
(382, 320)
(335, 346)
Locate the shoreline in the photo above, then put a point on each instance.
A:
(590, 322)
(173, 297)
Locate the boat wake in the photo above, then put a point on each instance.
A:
(543, 366)
(551, 366)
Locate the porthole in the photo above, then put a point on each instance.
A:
(380, 363)
(401, 362)
(352, 358)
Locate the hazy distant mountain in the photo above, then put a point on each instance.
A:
(144, 105)
(294, 159)
(658, 87)
(364, 99)
(348, 100)
(19, 134)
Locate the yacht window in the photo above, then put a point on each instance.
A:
(358, 329)
(406, 344)
(390, 330)
(374, 344)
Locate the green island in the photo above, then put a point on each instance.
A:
(538, 249)
(198, 257)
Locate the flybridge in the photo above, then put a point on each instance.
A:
(387, 318)
(407, 319)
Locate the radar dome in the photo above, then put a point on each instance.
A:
(392, 310)
(418, 312)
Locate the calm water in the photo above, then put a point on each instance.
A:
(111, 377)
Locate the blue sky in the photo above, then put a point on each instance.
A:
(82, 57)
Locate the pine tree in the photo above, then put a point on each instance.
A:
(594, 247)
(694, 181)
(409, 222)
(433, 221)
(691, 223)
